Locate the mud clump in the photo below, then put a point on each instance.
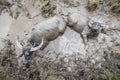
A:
(92, 5)
(5, 4)
(8, 62)
(111, 66)
(112, 6)
(47, 8)
(116, 8)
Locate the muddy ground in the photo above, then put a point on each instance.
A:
(65, 58)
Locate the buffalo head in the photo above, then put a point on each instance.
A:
(27, 49)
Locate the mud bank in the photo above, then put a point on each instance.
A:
(5, 24)
(66, 57)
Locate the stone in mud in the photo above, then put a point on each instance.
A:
(92, 4)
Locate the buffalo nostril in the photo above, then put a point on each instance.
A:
(27, 56)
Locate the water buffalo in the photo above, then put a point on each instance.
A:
(83, 25)
(41, 34)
